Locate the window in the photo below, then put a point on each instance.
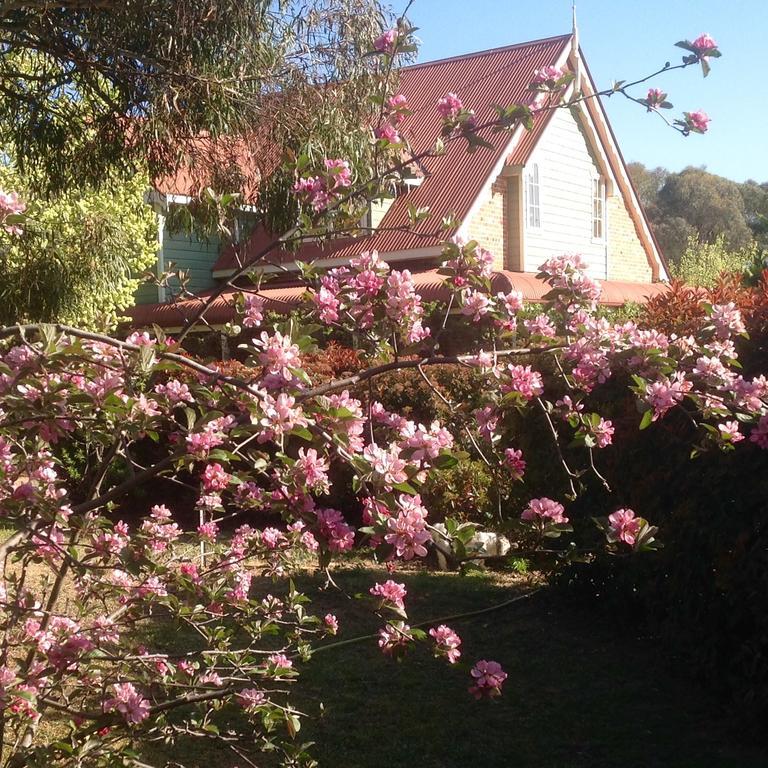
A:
(598, 209)
(533, 197)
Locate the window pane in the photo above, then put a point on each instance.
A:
(532, 194)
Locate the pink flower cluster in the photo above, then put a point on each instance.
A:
(544, 510)
(427, 443)
(253, 310)
(487, 679)
(312, 470)
(727, 320)
(390, 592)
(215, 477)
(449, 106)
(447, 643)
(339, 536)
(406, 531)
(704, 45)
(655, 98)
(320, 191)
(387, 41)
(623, 526)
(665, 393)
(547, 76)
(279, 354)
(515, 463)
(522, 380)
(357, 290)
(394, 638)
(129, 703)
(10, 205)
(603, 433)
(698, 121)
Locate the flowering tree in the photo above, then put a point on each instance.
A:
(88, 598)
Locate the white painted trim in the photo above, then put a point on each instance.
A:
(393, 256)
(160, 254)
(625, 186)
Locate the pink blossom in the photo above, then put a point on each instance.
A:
(391, 592)
(487, 679)
(547, 75)
(667, 393)
(698, 121)
(513, 301)
(515, 462)
(312, 470)
(447, 643)
(272, 538)
(388, 132)
(279, 661)
(279, 354)
(406, 531)
(129, 703)
(394, 638)
(727, 320)
(327, 304)
(730, 431)
(655, 98)
(541, 325)
(544, 510)
(331, 623)
(704, 45)
(524, 381)
(250, 698)
(339, 536)
(281, 415)
(449, 106)
(215, 477)
(386, 463)
(624, 526)
(603, 433)
(253, 306)
(208, 531)
(475, 304)
(759, 434)
(10, 204)
(175, 391)
(385, 43)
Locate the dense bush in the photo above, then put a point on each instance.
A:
(706, 591)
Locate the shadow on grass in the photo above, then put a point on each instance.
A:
(579, 693)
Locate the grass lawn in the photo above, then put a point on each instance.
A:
(580, 692)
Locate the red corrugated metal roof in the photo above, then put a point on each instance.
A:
(430, 285)
(453, 180)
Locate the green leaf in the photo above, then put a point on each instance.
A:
(647, 419)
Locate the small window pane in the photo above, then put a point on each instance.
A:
(533, 197)
(598, 209)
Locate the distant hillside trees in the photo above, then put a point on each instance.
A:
(695, 206)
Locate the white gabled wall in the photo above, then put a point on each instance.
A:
(566, 170)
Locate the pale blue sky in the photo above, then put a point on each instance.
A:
(622, 39)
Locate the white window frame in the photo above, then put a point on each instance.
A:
(532, 179)
(598, 193)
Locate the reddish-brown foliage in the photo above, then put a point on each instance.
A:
(680, 309)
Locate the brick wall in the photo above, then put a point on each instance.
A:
(489, 225)
(626, 255)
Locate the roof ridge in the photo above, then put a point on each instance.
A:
(486, 51)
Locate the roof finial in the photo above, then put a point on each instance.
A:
(575, 57)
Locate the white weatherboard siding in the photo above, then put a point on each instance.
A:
(566, 170)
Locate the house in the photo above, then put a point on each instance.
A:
(562, 187)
